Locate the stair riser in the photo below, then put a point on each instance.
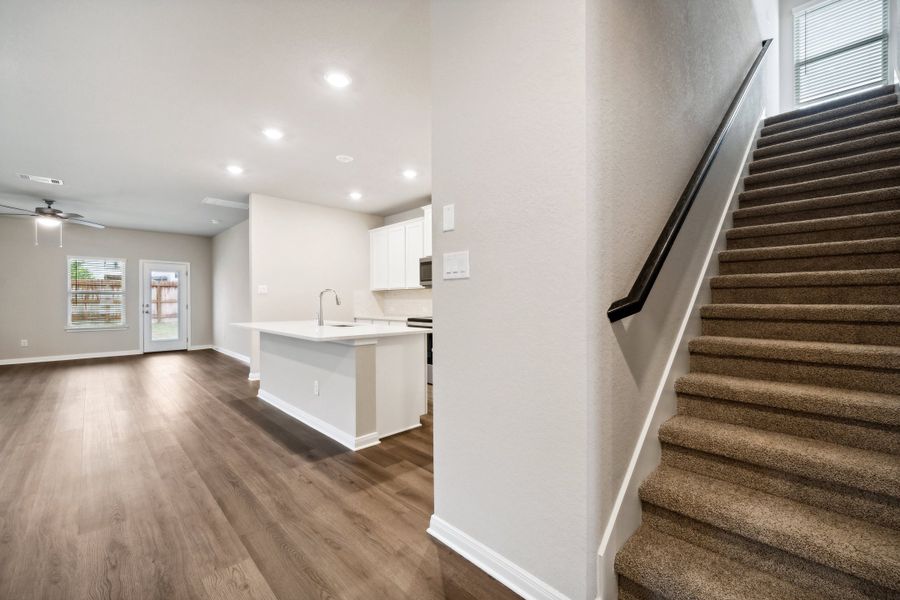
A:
(840, 332)
(759, 198)
(830, 115)
(874, 508)
(849, 294)
(872, 116)
(826, 581)
(792, 115)
(855, 134)
(629, 590)
(766, 180)
(884, 260)
(812, 156)
(856, 434)
(859, 378)
(820, 213)
(866, 232)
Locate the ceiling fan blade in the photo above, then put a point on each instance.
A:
(86, 223)
(69, 216)
(17, 208)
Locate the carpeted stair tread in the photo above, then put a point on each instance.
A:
(875, 472)
(820, 185)
(798, 207)
(810, 279)
(845, 222)
(823, 153)
(847, 122)
(857, 355)
(892, 123)
(678, 570)
(859, 405)
(869, 246)
(879, 313)
(822, 116)
(855, 99)
(822, 168)
(847, 544)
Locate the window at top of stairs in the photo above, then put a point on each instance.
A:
(839, 46)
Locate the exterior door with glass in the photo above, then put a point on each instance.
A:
(164, 305)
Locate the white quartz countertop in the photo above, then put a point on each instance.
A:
(387, 318)
(331, 332)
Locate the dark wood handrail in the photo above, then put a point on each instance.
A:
(637, 296)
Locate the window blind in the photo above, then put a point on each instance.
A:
(839, 46)
(96, 293)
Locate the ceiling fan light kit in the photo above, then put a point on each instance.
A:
(47, 216)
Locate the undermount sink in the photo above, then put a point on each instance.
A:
(343, 325)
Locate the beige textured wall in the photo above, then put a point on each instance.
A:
(33, 286)
(652, 111)
(297, 250)
(231, 288)
(510, 342)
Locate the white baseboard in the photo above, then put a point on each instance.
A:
(496, 565)
(253, 376)
(354, 443)
(201, 347)
(232, 354)
(59, 357)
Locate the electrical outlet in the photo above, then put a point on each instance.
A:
(316, 387)
(23, 343)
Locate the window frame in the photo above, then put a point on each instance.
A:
(887, 35)
(124, 293)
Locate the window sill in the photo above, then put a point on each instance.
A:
(116, 328)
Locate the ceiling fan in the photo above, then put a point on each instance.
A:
(52, 217)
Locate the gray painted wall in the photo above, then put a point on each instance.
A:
(231, 288)
(33, 286)
(297, 250)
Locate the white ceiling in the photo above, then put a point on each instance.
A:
(138, 106)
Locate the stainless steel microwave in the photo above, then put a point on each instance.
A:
(425, 271)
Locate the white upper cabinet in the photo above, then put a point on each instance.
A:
(426, 223)
(394, 253)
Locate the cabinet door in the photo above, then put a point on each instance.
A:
(426, 224)
(396, 257)
(414, 249)
(378, 259)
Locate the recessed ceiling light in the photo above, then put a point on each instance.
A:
(338, 79)
(214, 221)
(273, 134)
(356, 196)
(343, 158)
(235, 169)
(410, 174)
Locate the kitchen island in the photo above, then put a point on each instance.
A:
(355, 383)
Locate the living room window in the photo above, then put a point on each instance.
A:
(839, 46)
(96, 298)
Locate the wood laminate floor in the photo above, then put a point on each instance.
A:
(162, 476)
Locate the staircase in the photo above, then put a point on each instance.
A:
(780, 474)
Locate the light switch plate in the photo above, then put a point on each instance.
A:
(448, 223)
(456, 265)
(262, 289)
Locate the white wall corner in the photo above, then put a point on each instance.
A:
(625, 517)
(253, 376)
(494, 564)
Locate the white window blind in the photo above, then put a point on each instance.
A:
(839, 46)
(96, 293)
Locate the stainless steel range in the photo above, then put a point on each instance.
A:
(425, 323)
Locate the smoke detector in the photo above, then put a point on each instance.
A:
(40, 179)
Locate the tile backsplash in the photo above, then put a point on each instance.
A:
(393, 303)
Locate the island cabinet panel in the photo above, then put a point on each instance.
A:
(394, 253)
